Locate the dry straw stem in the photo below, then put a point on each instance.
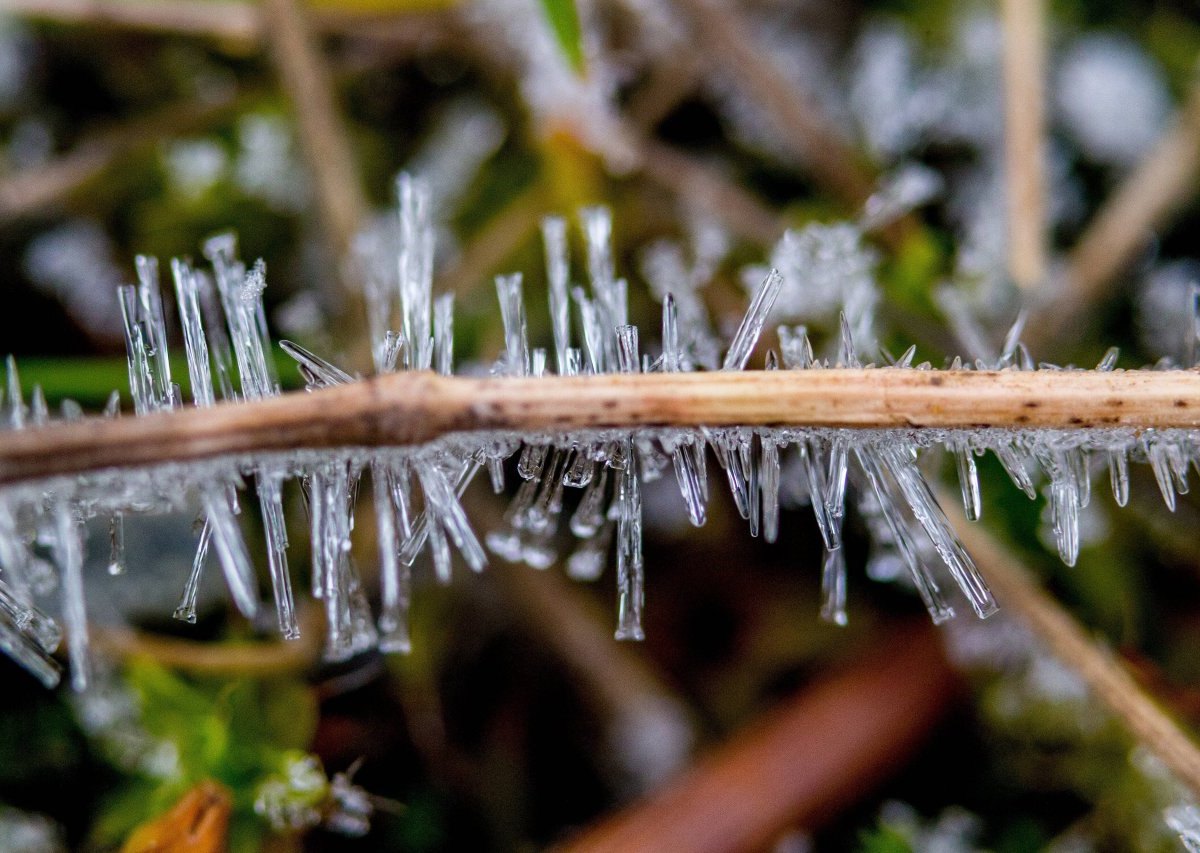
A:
(799, 123)
(264, 659)
(414, 408)
(1066, 638)
(1143, 203)
(326, 144)
(228, 20)
(1024, 129)
(801, 765)
(709, 189)
(1156, 189)
(30, 191)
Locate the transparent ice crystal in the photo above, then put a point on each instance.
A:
(416, 491)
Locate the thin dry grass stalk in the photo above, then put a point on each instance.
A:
(309, 85)
(1143, 202)
(229, 20)
(1024, 132)
(31, 191)
(813, 139)
(1064, 637)
(413, 408)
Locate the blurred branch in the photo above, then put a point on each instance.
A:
(502, 235)
(227, 20)
(32, 190)
(263, 659)
(323, 136)
(326, 145)
(413, 408)
(1024, 132)
(707, 188)
(632, 699)
(819, 148)
(803, 763)
(1145, 200)
(1067, 640)
(668, 84)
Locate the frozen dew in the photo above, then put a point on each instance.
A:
(1184, 819)
(825, 278)
(751, 328)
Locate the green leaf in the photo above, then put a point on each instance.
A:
(563, 18)
(883, 839)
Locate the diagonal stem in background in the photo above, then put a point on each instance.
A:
(1065, 638)
(811, 137)
(1157, 188)
(799, 765)
(30, 191)
(414, 408)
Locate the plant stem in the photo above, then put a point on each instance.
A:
(29, 191)
(323, 136)
(226, 20)
(413, 408)
(1064, 637)
(1024, 130)
(799, 766)
(1143, 203)
(799, 123)
(1158, 187)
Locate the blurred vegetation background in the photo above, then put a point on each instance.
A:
(146, 126)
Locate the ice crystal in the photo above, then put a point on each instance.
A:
(416, 491)
(1185, 820)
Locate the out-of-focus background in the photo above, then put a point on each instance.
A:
(146, 126)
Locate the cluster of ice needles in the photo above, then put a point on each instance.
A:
(416, 491)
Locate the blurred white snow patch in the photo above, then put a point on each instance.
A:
(1112, 97)
(464, 136)
(194, 166)
(826, 269)
(1185, 820)
(25, 832)
(651, 742)
(75, 264)
(16, 59)
(267, 165)
(955, 830)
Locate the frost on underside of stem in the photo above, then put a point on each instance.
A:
(416, 491)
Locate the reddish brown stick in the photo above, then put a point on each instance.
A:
(799, 767)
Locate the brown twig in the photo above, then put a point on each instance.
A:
(1024, 132)
(812, 757)
(226, 20)
(1155, 190)
(1144, 201)
(706, 187)
(413, 408)
(798, 121)
(667, 84)
(29, 191)
(628, 695)
(261, 659)
(322, 133)
(326, 145)
(1108, 680)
